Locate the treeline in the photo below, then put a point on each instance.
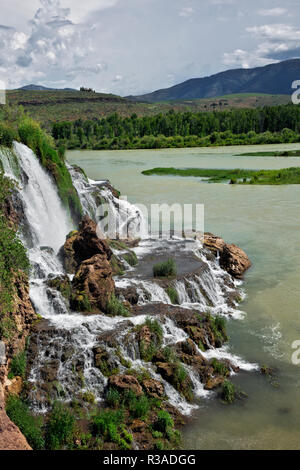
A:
(274, 124)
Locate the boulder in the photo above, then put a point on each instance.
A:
(125, 382)
(93, 285)
(232, 258)
(154, 388)
(83, 245)
(214, 382)
(13, 386)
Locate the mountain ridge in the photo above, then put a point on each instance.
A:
(269, 79)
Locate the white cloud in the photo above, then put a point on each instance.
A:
(273, 12)
(186, 12)
(276, 32)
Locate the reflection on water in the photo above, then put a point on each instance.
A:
(264, 220)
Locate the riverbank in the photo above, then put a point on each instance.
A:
(237, 176)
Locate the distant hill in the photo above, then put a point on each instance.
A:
(33, 87)
(272, 79)
(49, 106)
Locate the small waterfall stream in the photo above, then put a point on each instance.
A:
(66, 346)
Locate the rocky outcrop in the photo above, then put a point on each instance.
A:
(125, 382)
(232, 258)
(11, 437)
(92, 285)
(83, 245)
(154, 388)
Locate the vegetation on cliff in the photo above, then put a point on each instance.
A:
(15, 125)
(13, 258)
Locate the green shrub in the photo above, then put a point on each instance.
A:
(60, 427)
(220, 367)
(29, 425)
(163, 422)
(180, 374)
(228, 391)
(131, 258)
(88, 397)
(139, 407)
(173, 294)
(113, 398)
(165, 269)
(18, 366)
(110, 425)
(156, 329)
(116, 308)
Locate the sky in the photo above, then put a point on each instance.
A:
(137, 46)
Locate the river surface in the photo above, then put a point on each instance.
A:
(265, 222)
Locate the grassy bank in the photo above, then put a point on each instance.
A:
(283, 153)
(236, 176)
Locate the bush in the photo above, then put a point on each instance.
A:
(116, 308)
(18, 366)
(220, 367)
(228, 391)
(29, 425)
(113, 398)
(110, 425)
(139, 407)
(165, 269)
(163, 422)
(60, 427)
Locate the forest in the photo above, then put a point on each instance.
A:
(270, 124)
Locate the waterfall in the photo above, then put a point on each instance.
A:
(123, 215)
(64, 347)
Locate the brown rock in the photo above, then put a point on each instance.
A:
(83, 245)
(214, 382)
(125, 382)
(154, 388)
(14, 386)
(145, 336)
(138, 426)
(92, 285)
(232, 258)
(11, 437)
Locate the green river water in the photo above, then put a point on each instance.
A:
(265, 222)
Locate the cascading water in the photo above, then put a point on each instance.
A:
(64, 349)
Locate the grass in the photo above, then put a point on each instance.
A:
(18, 366)
(166, 269)
(228, 391)
(173, 295)
(60, 427)
(29, 425)
(235, 176)
(283, 153)
(116, 308)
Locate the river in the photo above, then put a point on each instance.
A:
(265, 222)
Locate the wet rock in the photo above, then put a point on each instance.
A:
(154, 388)
(187, 353)
(129, 293)
(93, 285)
(232, 258)
(83, 245)
(104, 361)
(169, 372)
(214, 382)
(62, 284)
(125, 382)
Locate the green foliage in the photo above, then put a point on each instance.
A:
(88, 397)
(116, 308)
(60, 427)
(271, 124)
(218, 326)
(113, 398)
(29, 425)
(180, 373)
(173, 294)
(220, 367)
(165, 269)
(79, 301)
(139, 407)
(228, 391)
(110, 426)
(7, 134)
(163, 422)
(237, 176)
(147, 351)
(131, 258)
(18, 366)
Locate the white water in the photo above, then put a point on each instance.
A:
(73, 337)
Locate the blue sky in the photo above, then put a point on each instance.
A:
(136, 46)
